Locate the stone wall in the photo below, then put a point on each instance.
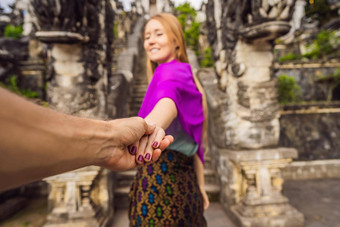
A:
(306, 75)
(320, 169)
(314, 133)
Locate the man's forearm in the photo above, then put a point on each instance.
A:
(37, 142)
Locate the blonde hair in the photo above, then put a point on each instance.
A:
(174, 31)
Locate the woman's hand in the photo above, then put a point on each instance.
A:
(206, 201)
(148, 148)
(123, 155)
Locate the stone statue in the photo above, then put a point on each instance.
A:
(241, 36)
(79, 37)
(244, 111)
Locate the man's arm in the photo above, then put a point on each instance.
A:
(37, 142)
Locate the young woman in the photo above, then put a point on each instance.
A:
(170, 192)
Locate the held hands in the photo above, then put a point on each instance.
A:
(133, 142)
(148, 149)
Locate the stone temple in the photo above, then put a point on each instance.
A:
(86, 58)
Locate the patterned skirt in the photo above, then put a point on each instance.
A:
(166, 193)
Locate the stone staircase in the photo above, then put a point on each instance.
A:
(211, 182)
(123, 180)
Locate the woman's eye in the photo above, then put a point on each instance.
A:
(159, 34)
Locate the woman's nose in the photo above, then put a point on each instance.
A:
(151, 39)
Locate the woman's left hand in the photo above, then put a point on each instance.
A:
(148, 148)
(206, 201)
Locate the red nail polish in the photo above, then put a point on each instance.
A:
(140, 158)
(155, 144)
(132, 150)
(147, 156)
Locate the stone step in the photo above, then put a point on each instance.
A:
(140, 79)
(121, 197)
(135, 106)
(140, 88)
(137, 99)
(207, 162)
(213, 191)
(125, 178)
(210, 176)
(134, 109)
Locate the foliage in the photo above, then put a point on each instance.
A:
(187, 16)
(115, 29)
(288, 57)
(320, 10)
(12, 31)
(12, 85)
(207, 60)
(325, 43)
(289, 91)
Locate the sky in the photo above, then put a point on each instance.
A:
(4, 4)
(195, 3)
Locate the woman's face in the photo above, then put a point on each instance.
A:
(157, 44)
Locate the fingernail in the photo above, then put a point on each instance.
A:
(133, 150)
(147, 156)
(155, 144)
(140, 158)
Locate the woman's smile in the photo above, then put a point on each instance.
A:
(156, 43)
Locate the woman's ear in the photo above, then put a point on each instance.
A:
(175, 44)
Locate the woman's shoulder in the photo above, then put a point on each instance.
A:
(175, 64)
(175, 68)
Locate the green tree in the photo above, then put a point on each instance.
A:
(320, 10)
(326, 42)
(187, 17)
(207, 60)
(289, 91)
(12, 85)
(12, 31)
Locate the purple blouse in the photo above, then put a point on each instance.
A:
(174, 80)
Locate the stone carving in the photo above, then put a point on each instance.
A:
(245, 113)
(70, 200)
(241, 38)
(243, 20)
(77, 72)
(79, 37)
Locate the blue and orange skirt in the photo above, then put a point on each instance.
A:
(166, 193)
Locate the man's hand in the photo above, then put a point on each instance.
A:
(127, 132)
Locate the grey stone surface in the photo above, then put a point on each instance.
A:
(318, 200)
(307, 170)
(315, 136)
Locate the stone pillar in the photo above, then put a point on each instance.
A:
(69, 199)
(261, 202)
(244, 112)
(79, 37)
